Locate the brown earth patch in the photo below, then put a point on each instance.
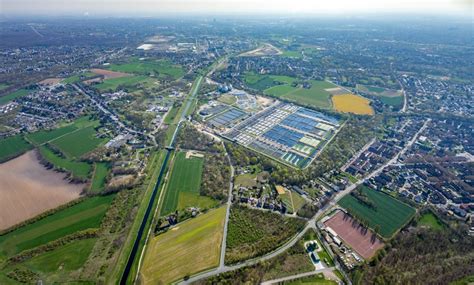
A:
(108, 73)
(28, 189)
(359, 238)
(50, 81)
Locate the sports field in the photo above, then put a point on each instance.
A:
(11, 96)
(85, 215)
(190, 247)
(12, 147)
(315, 96)
(350, 103)
(389, 214)
(359, 238)
(184, 185)
(159, 68)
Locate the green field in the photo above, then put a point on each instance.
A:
(393, 101)
(171, 115)
(184, 184)
(100, 174)
(68, 257)
(125, 82)
(12, 147)
(44, 136)
(160, 68)
(78, 143)
(389, 97)
(79, 77)
(85, 215)
(284, 87)
(193, 246)
(263, 82)
(11, 96)
(227, 99)
(247, 180)
(315, 96)
(292, 53)
(3, 86)
(78, 169)
(430, 220)
(292, 200)
(389, 214)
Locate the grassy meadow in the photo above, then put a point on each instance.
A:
(12, 147)
(113, 84)
(159, 68)
(101, 170)
(285, 87)
(78, 169)
(184, 185)
(78, 143)
(13, 95)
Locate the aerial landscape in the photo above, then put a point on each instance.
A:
(229, 142)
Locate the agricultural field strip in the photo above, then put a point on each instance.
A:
(393, 213)
(77, 217)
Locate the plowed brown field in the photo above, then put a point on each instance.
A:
(27, 189)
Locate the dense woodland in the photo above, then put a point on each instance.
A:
(421, 255)
(253, 232)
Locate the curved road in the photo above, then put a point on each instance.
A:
(311, 223)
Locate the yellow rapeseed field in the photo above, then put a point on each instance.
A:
(350, 103)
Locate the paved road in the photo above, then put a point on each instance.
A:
(355, 156)
(106, 111)
(312, 222)
(229, 203)
(297, 276)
